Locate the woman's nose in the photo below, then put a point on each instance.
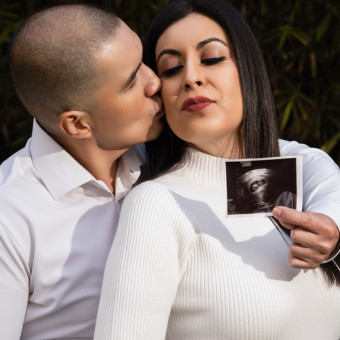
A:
(189, 85)
(193, 76)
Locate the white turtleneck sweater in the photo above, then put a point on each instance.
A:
(179, 269)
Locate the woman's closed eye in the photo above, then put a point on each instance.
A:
(212, 61)
(171, 71)
(207, 62)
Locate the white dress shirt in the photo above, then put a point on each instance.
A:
(57, 224)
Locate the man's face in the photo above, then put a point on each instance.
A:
(126, 111)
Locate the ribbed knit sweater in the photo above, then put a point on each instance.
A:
(180, 269)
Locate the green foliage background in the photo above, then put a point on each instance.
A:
(300, 41)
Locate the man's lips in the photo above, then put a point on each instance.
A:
(196, 104)
(160, 111)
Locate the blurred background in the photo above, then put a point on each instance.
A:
(300, 41)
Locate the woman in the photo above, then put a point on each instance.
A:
(179, 269)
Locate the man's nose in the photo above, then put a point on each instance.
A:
(154, 83)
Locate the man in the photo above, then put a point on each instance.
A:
(78, 70)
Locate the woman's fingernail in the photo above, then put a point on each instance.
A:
(277, 212)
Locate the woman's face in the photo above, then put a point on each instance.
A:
(200, 85)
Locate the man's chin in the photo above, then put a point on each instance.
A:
(155, 130)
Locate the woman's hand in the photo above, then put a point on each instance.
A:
(315, 237)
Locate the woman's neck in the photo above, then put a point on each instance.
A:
(228, 150)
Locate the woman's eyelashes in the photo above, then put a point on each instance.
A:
(171, 71)
(207, 62)
(212, 61)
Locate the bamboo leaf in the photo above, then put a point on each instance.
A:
(300, 37)
(286, 114)
(329, 145)
(7, 15)
(301, 109)
(285, 33)
(323, 26)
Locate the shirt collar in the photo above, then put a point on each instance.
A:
(61, 173)
(128, 171)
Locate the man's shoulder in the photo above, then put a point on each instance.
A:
(15, 173)
(18, 178)
(15, 167)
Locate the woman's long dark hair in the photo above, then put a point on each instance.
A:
(258, 133)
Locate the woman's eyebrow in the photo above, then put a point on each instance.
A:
(168, 51)
(198, 47)
(207, 41)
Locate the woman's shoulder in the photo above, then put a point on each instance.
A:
(149, 187)
(309, 154)
(150, 205)
(148, 194)
(292, 148)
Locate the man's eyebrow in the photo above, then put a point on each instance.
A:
(132, 77)
(198, 47)
(207, 41)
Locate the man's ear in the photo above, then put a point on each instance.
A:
(75, 124)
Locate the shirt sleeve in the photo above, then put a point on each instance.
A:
(14, 283)
(145, 266)
(321, 182)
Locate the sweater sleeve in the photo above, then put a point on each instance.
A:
(321, 179)
(148, 257)
(321, 182)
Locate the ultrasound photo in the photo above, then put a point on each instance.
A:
(256, 186)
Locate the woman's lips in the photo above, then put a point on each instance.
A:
(197, 107)
(196, 104)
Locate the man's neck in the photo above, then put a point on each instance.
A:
(102, 164)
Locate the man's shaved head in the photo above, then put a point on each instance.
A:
(52, 58)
